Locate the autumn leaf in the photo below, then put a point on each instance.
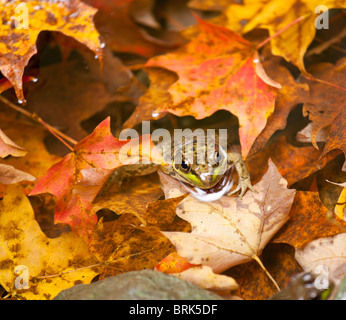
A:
(79, 85)
(80, 175)
(52, 264)
(326, 107)
(308, 221)
(325, 256)
(9, 175)
(31, 139)
(120, 15)
(220, 70)
(291, 94)
(232, 231)
(294, 163)
(131, 197)
(8, 147)
(5, 84)
(156, 95)
(204, 277)
(126, 245)
(253, 281)
(295, 16)
(18, 44)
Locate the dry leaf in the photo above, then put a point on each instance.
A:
(9, 175)
(204, 277)
(8, 147)
(231, 231)
(325, 257)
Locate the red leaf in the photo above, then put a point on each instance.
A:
(78, 177)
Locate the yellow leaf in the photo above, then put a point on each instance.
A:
(22, 21)
(274, 16)
(47, 265)
(340, 206)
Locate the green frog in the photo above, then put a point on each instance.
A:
(196, 176)
(185, 167)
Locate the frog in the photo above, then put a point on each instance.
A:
(207, 174)
(181, 164)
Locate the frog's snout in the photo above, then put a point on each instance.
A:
(208, 180)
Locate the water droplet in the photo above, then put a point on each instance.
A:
(96, 56)
(102, 45)
(34, 80)
(155, 114)
(20, 101)
(255, 60)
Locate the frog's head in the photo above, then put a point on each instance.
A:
(203, 174)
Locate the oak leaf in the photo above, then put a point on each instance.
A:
(18, 44)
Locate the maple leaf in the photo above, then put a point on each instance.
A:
(18, 45)
(156, 95)
(52, 264)
(233, 231)
(220, 70)
(325, 256)
(274, 16)
(80, 175)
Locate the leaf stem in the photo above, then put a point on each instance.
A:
(265, 41)
(58, 134)
(312, 78)
(258, 260)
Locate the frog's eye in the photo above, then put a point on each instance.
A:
(217, 157)
(185, 167)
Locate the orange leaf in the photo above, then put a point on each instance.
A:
(220, 70)
(173, 263)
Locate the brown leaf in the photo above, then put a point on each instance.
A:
(327, 104)
(254, 283)
(133, 196)
(232, 230)
(9, 175)
(308, 221)
(124, 245)
(8, 147)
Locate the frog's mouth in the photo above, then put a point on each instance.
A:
(222, 187)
